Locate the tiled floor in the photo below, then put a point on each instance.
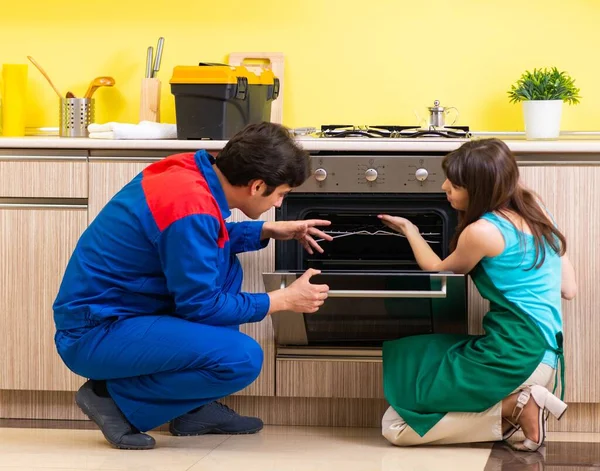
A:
(279, 449)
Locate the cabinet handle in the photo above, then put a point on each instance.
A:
(41, 206)
(42, 158)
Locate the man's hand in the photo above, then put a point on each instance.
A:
(302, 231)
(301, 296)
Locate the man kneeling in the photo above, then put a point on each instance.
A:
(150, 305)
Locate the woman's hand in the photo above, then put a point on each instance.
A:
(401, 225)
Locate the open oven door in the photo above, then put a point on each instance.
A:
(365, 309)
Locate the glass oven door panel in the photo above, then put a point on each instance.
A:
(365, 309)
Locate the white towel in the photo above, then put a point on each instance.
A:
(143, 130)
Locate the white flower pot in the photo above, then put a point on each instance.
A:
(542, 118)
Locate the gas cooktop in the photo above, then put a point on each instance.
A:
(384, 131)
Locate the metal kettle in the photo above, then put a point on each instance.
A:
(437, 115)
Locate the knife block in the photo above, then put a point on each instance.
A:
(150, 100)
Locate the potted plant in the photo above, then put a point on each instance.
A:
(543, 92)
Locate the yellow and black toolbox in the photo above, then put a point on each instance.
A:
(215, 101)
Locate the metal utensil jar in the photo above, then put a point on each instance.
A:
(75, 116)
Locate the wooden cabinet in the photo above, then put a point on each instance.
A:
(108, 176)
(36, 241)
(572, 194)
(42, 214)
(49, 174)
(349, 378)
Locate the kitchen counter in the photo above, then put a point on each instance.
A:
(570, 144)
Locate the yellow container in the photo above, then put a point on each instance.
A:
(14, 90)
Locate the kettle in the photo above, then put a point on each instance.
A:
(437, 115)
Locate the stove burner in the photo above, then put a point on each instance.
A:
(393, 132)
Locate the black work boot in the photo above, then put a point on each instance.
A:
(114, 426)
(214, 418)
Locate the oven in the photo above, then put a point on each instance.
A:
(377, 291)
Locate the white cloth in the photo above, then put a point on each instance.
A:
(143, 130)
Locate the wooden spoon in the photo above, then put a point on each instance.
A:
(98, 82)
(39, 67)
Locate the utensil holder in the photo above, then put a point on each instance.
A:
(150, 100)
(75, 116)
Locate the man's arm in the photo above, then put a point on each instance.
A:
(190, 257)
(246, 236)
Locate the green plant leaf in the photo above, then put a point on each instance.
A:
(544, 84)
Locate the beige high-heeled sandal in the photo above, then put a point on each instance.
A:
(547, 402)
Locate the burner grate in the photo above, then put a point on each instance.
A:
(392, 131)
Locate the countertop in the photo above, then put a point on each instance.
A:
(584, 143)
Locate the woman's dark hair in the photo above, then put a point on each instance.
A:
(267, 152)
(488, 170)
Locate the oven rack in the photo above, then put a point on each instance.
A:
(379, 232)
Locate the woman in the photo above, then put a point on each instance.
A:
(457, 389)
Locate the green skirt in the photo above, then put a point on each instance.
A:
(427, 376)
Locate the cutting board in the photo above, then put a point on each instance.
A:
(270, 60)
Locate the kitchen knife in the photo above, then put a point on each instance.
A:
(157, 59)
(149, 62)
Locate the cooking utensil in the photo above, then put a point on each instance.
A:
(158, 58)
(43, 72)
(149, 62)
(70, 95)
(97, 83)
(437, 115)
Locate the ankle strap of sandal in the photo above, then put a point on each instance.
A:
(522, 400)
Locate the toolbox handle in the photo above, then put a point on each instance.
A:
(275, 92)
(213, 63)
(242, 88)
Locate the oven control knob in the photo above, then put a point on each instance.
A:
(320, 174)
(371, 175)
(421, 174)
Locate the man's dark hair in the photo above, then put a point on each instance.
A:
(267, 152)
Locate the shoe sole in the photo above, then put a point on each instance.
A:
(86, 410)
(213, 431)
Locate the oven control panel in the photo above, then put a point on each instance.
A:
(381, 174)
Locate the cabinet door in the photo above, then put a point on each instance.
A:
(108, 177)
(572, 195)
(349, 379)
(45, 173)
(36, 242)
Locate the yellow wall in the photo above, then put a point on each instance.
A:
(346, 61)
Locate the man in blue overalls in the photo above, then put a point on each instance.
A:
(150, 304)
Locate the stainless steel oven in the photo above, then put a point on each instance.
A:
(377, 291)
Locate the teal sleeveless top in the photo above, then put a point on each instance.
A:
(536, 291)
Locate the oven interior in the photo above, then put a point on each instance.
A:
(361, 240)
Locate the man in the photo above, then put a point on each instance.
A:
(150, 305)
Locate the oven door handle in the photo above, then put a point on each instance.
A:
(357, 293)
